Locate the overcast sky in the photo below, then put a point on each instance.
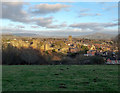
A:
(60, 19)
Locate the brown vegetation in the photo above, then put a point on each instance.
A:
(30, 56)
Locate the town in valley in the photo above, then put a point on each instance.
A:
(57, 50)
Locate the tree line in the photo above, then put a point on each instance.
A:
(14, 56)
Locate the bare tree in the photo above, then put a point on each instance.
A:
(29, 56)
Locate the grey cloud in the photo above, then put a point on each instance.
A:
(101, 3)
(84, 10)
(63, 25)
(65, 32)
(47, 22)
(97, 14)
(57, 26)
(20, 26)
(93, 26)
(88, 14)
(53, 26)
(110, 24)
(44, 22)
(48, 8)
(84, 13)
(14, 11)
(34, 26)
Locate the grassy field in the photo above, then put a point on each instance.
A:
(60, 78)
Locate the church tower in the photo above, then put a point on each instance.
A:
(46, 46)
(70, 39)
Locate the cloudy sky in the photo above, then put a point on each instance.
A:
(59, 19)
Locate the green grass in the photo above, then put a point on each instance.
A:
(60, 78)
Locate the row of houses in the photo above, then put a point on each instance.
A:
(113, 61)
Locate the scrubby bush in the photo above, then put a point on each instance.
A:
(10, 55)
(29, 56)
(89, 60)
(14, 56)
(97, 60)
(67, 61)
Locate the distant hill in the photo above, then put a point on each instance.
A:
(99, 36)
(104, 36)
(35, 35)
(8, 36)
(25, 34)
